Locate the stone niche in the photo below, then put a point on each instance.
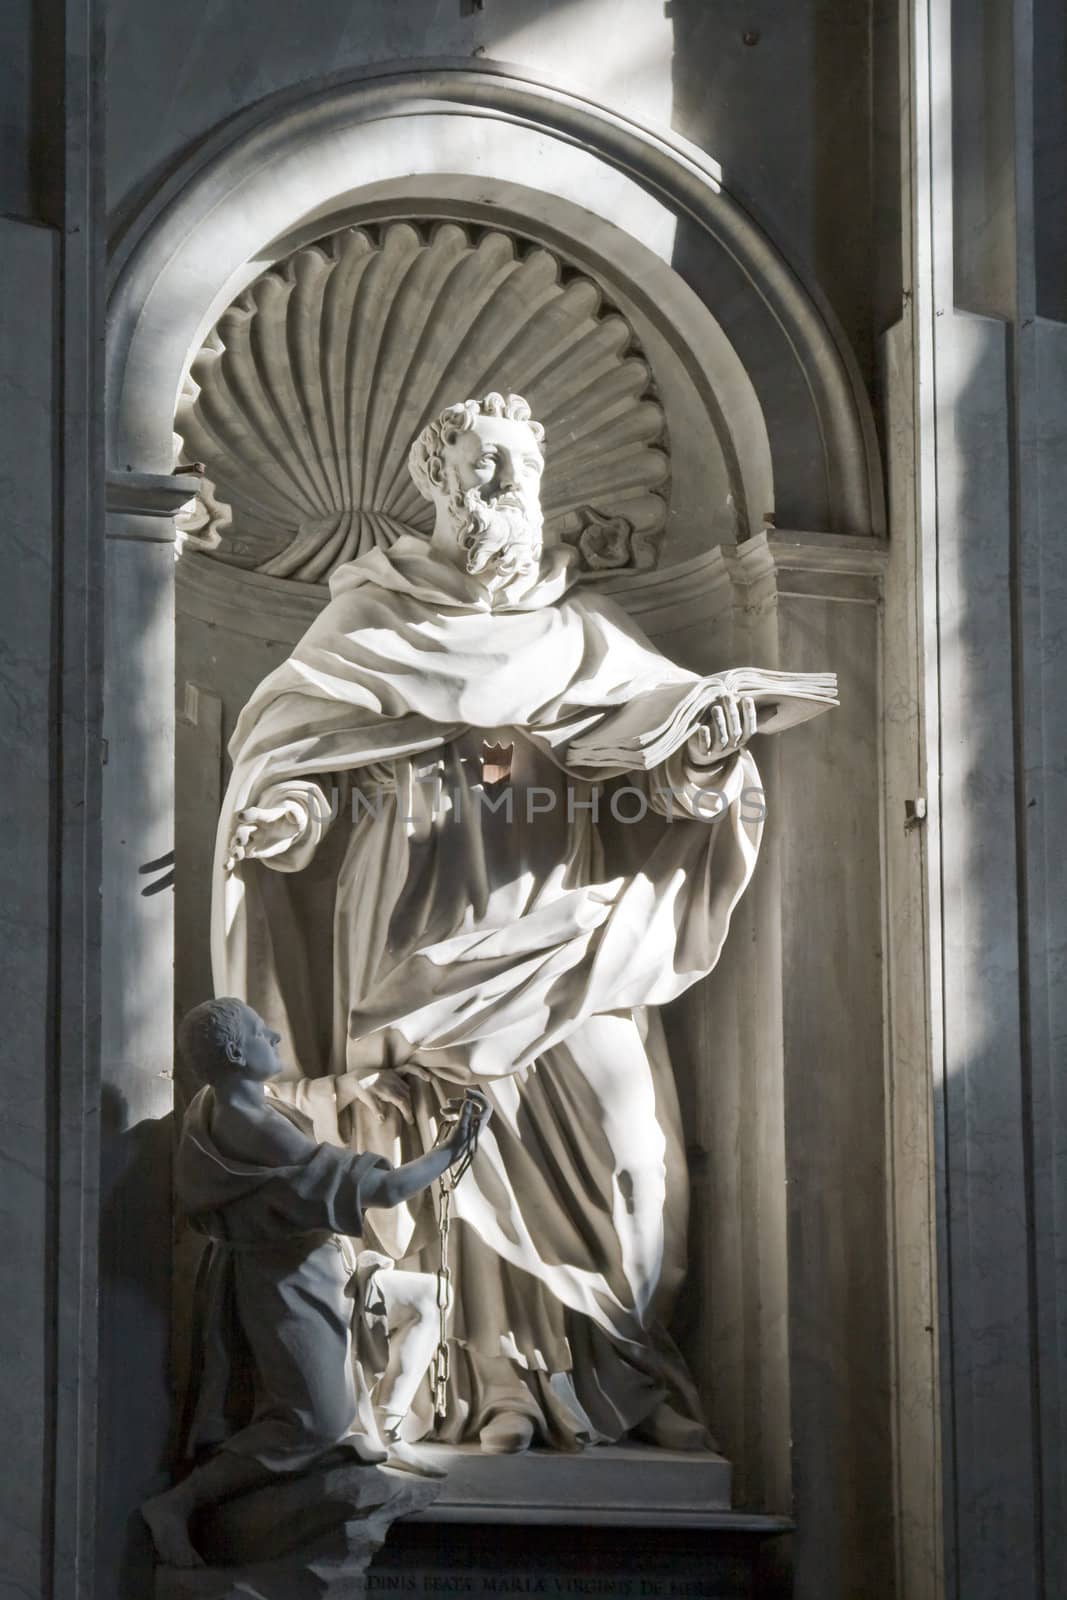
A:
(299, 407)
(299, 410)
(289, 334)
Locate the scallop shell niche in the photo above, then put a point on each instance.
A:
(303, 402)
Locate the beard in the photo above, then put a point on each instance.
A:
(499, 537)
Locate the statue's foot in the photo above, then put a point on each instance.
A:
(167, 1516)
(364, 1449)
(506, 1434)
(670, 1430)
(407, 1457)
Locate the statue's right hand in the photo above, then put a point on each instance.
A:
(264, 831)
(383, 1092)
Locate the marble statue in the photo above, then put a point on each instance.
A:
(289, 1315)
(477, 830)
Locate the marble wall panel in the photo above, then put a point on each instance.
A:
(829, 809)
(795, 164)
(1043, 607)
(16, 109)
(135, 1398)
(27, 1109)
(1050, 175)
(726, 1040)
(909, 1104)
(158, 106)
(986, 1333)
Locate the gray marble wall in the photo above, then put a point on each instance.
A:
(27, 505)
(802, 161)
(993, 443)
(1043, 586)
(51, 478)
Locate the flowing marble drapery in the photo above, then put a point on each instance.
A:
(406, 920)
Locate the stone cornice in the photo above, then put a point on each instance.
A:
(781, 550)
(150, 494)
(264, 607)
(827, 552)
(247, 602)
(677, 597)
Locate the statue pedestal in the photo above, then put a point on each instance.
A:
(630, 1485)
(480, 1561)
(619, 1522)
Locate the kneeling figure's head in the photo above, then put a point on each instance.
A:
(223, 1039)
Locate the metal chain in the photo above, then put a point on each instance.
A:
(441, 1365)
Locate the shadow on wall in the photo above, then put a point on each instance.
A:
(787, 101)
(135, 1273)
(783, 101)
(164, 100)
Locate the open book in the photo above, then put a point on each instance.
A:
(652, 727)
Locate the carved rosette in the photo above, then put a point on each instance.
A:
(305, 398)
(612, 544)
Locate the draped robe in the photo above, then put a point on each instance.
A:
(410, 923)
(277, 1284)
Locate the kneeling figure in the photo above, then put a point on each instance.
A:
(279, 1276)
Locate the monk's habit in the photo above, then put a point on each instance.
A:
(501, 846)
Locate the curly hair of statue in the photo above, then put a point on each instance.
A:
(425, 456)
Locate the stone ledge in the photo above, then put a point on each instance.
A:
(609, 1486)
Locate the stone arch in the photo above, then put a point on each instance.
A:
(238, 203)
(209, 230)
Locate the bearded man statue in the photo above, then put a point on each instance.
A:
(478, 829)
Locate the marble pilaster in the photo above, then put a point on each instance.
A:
(27, 1175)
(137, 1008)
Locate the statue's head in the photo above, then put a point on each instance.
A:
(480, 463)
(225, 1038)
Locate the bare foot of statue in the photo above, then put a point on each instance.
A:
(167, 1516)
(401, 1455)
(506, 1434)
(360, 1446)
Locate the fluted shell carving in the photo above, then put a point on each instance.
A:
(306, 396)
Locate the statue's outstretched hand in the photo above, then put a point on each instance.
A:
(725, 726)
(382, 1092)
(264, 831)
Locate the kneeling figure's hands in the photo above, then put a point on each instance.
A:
(472, 1115)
